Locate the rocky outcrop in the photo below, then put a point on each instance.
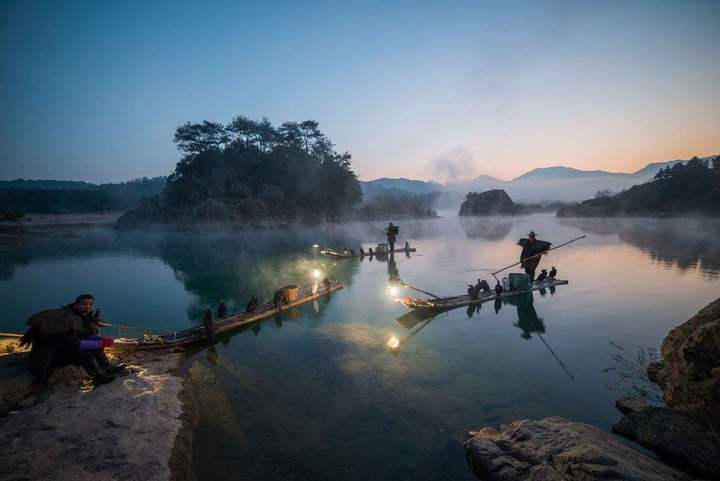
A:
(686, 433)
(118, 431)
(556, 449)
(676, 437)
(690, 372)
(491, 202)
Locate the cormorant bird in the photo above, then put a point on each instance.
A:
(553, 273)
(498, 288)
(221, 310)
(543, 275)
(252, 304)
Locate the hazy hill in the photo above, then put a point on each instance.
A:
(691, 187)
(60, 196)
(46, 184)
(546, 184)
(385, 185)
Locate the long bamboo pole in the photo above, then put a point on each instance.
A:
(419, 290)
(538, 255)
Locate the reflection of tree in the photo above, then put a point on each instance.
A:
(211, 264)
(485, 229)
(683, 243)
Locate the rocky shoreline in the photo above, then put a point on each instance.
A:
(684, 433)
(137, 427)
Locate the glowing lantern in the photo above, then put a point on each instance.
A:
(393, 342)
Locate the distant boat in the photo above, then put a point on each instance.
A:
(332, 253)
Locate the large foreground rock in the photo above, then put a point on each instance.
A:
(124, 430)
(690, 372)
(556, 449)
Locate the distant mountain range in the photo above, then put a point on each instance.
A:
(546, 184)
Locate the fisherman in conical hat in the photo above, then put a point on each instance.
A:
(532, 247)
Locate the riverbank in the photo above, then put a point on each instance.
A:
(136, 427)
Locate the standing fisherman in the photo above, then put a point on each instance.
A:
(392, 232)
(532, 247)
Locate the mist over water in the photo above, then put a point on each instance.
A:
(315, 394)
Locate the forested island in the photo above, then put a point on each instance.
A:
(251, 171)
(691, 187)
(497, 202)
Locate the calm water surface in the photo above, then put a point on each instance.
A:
(315, 393)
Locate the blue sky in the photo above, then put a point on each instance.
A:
(434, 90)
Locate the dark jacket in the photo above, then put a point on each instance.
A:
(52, 331)
(530, 249)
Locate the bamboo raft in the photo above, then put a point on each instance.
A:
(197, 334)
(332, 253)
(447, 303)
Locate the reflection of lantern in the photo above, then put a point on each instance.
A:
(393, 342)
(394, 291)
(316, 274)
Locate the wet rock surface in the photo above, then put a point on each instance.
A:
(72, 431)
(557, 449)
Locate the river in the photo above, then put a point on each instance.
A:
(316, 394)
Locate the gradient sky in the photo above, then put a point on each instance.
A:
(434, 90)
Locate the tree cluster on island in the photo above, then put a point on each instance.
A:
(251, 171)
(497, 202)
(691, 187)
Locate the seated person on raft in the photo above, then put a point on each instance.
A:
(69, 336)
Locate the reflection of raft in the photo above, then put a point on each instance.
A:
(460, 301)
(331, 253)
(197, 334)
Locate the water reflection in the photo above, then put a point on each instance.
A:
(485, 228)
(690, 243)
(528, 322)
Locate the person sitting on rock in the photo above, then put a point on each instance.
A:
(69, 336)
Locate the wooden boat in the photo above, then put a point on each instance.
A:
(447, 303)
(331, 253)
(197, 334)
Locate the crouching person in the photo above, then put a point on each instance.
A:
(69, 336)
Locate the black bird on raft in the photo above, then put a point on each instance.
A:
(208, 324)
(498, 288)
(221, 310)
(543, 275)
(553, 273)
(252, 304)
